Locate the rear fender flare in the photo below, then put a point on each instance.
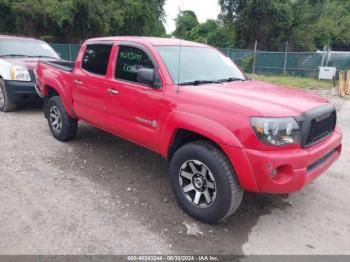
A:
(61, 89)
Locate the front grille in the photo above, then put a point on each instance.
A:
(321, 127)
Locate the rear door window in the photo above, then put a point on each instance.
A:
(96, 58)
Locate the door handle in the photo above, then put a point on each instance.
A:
(78, 82)
(112, 91)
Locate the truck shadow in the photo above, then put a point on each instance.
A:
(30, 108)
(137, 178)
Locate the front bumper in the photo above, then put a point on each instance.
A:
(284, 171)
(21, 92)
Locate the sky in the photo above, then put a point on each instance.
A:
(204, 9)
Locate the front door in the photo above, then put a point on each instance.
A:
(134, 110)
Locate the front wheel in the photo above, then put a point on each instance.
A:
(62, 126)
(5, 103)
(204, 182)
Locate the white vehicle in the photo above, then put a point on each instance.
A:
(19, 57)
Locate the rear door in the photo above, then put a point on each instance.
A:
(90, 84)
(134, 109)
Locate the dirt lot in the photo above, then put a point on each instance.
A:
(102, 195)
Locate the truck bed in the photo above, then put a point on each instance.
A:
(61, 64)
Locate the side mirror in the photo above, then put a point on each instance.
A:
(147, 76)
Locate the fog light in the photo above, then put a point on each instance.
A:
(282, 174)
(274, 173)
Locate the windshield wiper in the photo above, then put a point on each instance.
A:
(230, 79)
(201, 82)
(198, 82)
(32, 56)
(13, 55)
(42, 56)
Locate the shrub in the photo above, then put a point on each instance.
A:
(247, 63)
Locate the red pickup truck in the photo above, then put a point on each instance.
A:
(222, 133)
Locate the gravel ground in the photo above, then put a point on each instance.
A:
(101, 195)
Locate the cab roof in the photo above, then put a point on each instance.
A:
(155, 41)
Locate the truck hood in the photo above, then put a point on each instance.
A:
(29, 63)
(258, 98)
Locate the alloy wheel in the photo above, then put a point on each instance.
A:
(55, 119)
(197, 183)
(2, 98)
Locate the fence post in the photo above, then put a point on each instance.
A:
(347, 83)
(70, 52)
(285, 59)
(324, 55)
(329, 54)
(342, 83)
(254, 62)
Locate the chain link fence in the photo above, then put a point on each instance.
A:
(303, 64)
(67, 51)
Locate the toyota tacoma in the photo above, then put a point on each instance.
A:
(222, 133)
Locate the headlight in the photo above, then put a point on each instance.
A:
(19, 73)
(276, 131)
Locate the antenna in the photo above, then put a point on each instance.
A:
(178, 74)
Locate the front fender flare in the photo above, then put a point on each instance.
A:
(208, 128)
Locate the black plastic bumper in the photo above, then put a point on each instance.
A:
(21, 92)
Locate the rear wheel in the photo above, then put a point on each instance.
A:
(62, 126)
(5, 104)
(204, 182)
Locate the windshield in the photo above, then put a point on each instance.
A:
(198, 65)
(27, 48)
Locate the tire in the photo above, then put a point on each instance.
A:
(62, 126)
(201, 166)
(5, 104)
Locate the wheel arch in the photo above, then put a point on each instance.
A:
(181, 137)
(51, 90)
(184, 128)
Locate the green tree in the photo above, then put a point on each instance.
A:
(212, 32)
(264, 21)
(185, 22)
(227, 20)
(74, 20)
(325, 21)
(143, 17)
(306, 24)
